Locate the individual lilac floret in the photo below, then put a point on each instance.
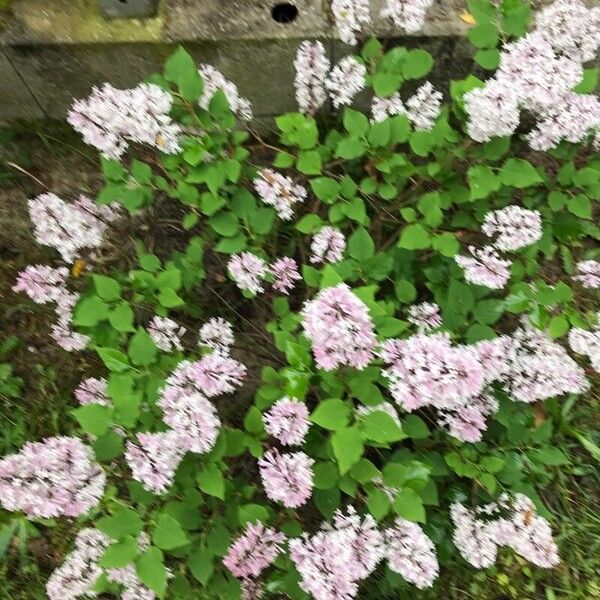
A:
(411, 553)
(312, 67)
(407, 14)
(248, 271)
(382, 108)
(52, 478)
(346, 79)
(166, 333)
(41, 283)
(68, 227)
(252, 552)
(217, 333)
(154, 459)
(279, 191)
(62, 331)
(425, 316)
(213, 81)
(539, 368)
(285, 274)
(485, 267)
(340, 329)
(110, 118)
(76, 577)
(92, 391)
(327, 246)
(350, 16)
(424, 107)
(287, 478)
(571, 28)
(588, 274)
(586, 343)
(513, 227)
(287, 420)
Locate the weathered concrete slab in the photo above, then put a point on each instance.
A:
(16, 100)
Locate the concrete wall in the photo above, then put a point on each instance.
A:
(54, 50)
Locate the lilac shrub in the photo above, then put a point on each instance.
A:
(353, 360)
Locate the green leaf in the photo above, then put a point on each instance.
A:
(309, 162)
(113, 359)
(106, 287)
(309, 223)
(93, 418)
(331, 414)
(355, 123)
(201, 565)
(121, 317)
(250, 513)
(120, 554)
(380, 134)
(350, 148)
(413, 474)
(108, 446)
(415, 427)
(488, 58)
(482, 182)
(559, 325)
(124, 521)
(152, 571)
(400, 129)
(409, 505)
(325, 188)
(414, 237)
(580, 206)
(360, 245)
(421, 142)
(386, 83)
(181, 69)
(364, 471)
(327, 501)
(167, 533)
(519, 173)
(210, 481)
(416, 64)
(325, 475)
(446, 244)
(550, 455)
(378, 503)
(589, 82)
(405, 291)
(484, 35)
(142, 350)
(225, 223)
(347, 448)
(90, 311)
(169, 297)
(379, 427)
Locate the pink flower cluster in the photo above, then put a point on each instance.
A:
(192, 419)
(345, 80)
(407, 14)
(213, 81)
(69, 228)
(588, 274)
(350, 16)
(217, 334)
(537, 74)
(425, 316)
(92, 391)
(587, 343)
(248, 271)
(287, 420)
(511, 522)
(427, 370)
(312, 67)
(327, 246)
(110, 118)
(55, 477)
(513, 228)
(279, 191)
(166, 333)
(340, 329)
(287, 478)
(285, 274)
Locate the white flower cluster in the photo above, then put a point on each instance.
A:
(279, 191)
(407, 14)
(312, 67)
(213, 81)
(587, 343)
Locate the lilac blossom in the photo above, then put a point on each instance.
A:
(213, 81)
(42, 283)
(166, 334)
(468, 423)
(287, 478)
(345, 80)
(327, 246)
(279, 191)
(513, 227)
(80, 571)
(154, 459)
(55, 477)
(215, 374)
(285, 274)
(408, 15)
(248, 271)
(586, 343)
(92, 391)
(111, 118)
(588, 274)
(251, 589)
(382, 108)
(217, 333)
(350, 17)
(425, 316)
(340, 329)
(411, 553)
(69, 228)
(312, 67)
(424, 107)
(473, 537)
(485, 267)
(252, 552)
(287, 420)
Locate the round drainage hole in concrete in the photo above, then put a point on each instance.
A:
(284, 12)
